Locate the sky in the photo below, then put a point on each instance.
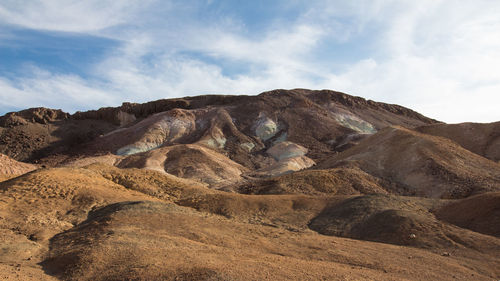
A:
(438, 57)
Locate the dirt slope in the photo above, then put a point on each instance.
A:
(36, 206)
(286, 185)
(397, 220)
(11, 168)
(78, 224)
(188, 161)
(421, 165)
(177, 243)
(482, 139)
(339, 181)
(480, 213)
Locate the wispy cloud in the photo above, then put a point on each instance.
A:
(40, 87)
(69, 15)
(438, 57)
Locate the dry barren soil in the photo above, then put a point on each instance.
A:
(286, 185)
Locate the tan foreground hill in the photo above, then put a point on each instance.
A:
(10, 168)
(286, 185)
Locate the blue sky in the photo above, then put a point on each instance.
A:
(439, 57)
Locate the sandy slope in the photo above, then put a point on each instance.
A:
(101, 223)
(421, 165)
(286, 185)
(10, 168)
(482, 139)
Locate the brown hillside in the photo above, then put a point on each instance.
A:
(313, 119)
(421, 165)
(177, 243)
(188, 161)
(480, 213)
(10, 168)
(286, 185)
(96, 238)
(482, 139)
(338, 181)
(396, 220)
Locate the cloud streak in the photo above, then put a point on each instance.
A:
(40, 87)
(69, 15)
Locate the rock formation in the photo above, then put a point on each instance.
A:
(286, 185)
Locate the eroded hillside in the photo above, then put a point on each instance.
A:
(286, 185)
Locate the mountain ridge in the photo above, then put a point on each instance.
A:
(67, 130)
(286, 185)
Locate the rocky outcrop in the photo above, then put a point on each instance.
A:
(241, 127)
(39, 115)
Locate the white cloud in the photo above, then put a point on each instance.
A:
(68, 15)
(171, 75)
(277, 46)
(438, 57)
(42, 88)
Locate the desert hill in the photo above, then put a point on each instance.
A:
(286, 185)
(11, 168)
(421, 165)
(316, 120)
(482, 139)
(102, 222)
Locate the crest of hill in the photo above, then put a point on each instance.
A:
(479, 213)
(393, 219)
(188, 161)
(11, 168)
(312, 119)
(39, 115)
(318, 96)
(482, 139)
(317, 121)
(338, 181)
(421, 165)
